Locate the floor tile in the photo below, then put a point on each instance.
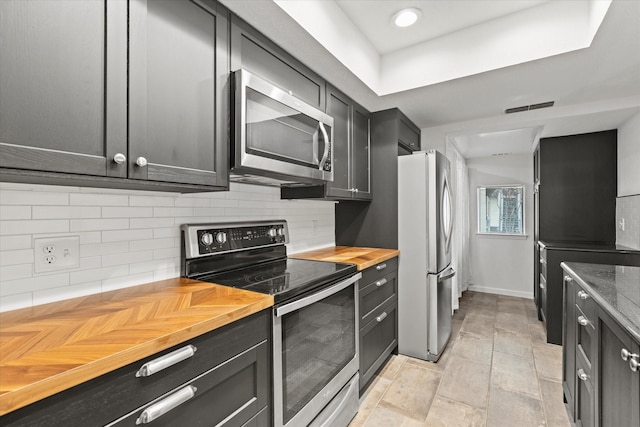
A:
(393, 365)
(514, 409)
(514, 373)
(553, 403)
(370, 400)
(510, 344)
(548, 360)
(388, 417)
(412, 391)
(466, 382)
(448, 413)
(472, 348)
(478, 326)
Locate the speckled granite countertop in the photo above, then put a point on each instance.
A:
(615, 288)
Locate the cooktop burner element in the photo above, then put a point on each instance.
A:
(252, 256)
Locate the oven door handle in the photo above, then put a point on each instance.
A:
(317, 296)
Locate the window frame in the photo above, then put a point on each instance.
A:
(478, 210)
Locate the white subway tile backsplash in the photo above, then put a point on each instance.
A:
(98, 224)
(14, 257)
(126, 258)
(15, 212)
(127, 212)
(129, 237)
(13, 228)
(126, 235)
(28, 198)
(11, 243)
(101, 199)
(56, 212)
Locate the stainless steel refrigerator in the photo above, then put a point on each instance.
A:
(425, 225)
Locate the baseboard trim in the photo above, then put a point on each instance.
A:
(500, 291)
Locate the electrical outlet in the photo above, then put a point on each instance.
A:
(56, 253)
(621, 224)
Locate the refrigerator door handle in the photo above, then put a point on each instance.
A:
(446, 274)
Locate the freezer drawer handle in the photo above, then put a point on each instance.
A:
(381, 317)
(167, 404)
(381, 266)
(163, 362)
(448, 273)
(381, 282)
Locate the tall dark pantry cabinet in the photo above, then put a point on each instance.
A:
(575, 188)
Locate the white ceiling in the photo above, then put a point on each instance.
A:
(595, 88)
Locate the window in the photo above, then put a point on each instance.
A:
(501, 209)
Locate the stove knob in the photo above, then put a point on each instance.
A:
(206, 239)
(273, 232)
(281, 231)
(221, 237)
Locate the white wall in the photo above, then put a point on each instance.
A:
(628, 202)
(129, 238)
(502, 264)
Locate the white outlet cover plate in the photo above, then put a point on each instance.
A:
(66, 252)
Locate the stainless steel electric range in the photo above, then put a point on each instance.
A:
(315, 316)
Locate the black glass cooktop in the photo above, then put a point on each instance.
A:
(284, 279)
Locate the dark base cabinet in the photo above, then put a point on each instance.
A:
(600, 389)
(227, 381)
(550, 301)
(378, 303)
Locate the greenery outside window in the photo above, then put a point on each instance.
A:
(501, 210)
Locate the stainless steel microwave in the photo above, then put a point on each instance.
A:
(277, 138)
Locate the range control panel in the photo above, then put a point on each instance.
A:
(203, 239)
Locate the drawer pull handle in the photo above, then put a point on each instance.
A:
(626, 354)
(170, 402)
(583, 295)
(633, 364)
(381, 282)
(541, 285)
(163, 362)
(542, 261)
(583, 321)
(568, 279)
(381, 267)
(381, 317)
(582, 374)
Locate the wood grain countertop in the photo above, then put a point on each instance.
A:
(52, 347)
(362, 257)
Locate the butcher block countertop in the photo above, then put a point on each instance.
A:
(49, 348)
(362, 257)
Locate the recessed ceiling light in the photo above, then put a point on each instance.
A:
(406, 17)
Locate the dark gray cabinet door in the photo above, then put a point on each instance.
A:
(619, 386)
(178, 90)
(360, 165)
(63, 82)
(569, 345)
(338, 107)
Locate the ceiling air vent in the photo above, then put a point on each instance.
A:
(529, 107)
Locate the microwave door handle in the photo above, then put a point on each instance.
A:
(315, 147)
(327, 145)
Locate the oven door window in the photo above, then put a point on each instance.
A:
(318, 341)
(279, 132)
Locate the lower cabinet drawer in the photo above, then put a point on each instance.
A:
(117, 393)
(376, 293)
(228, 395)
(378, 338)
(584, 399)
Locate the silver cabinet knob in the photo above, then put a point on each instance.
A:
(633, 364)
(381, 317)
(568, 279)
(582, 374)
(355, 190)
(583, 320)
(119, 158)
(583, 295)
(141, 161)
(626, 354)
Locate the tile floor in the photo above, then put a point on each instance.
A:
(496, 371)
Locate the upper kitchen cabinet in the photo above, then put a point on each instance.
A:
(114, 94)
(577, 188)
(178, 92)
(375, 224)
(63, 80)
(252, 51)
(351, 154)
(408, 135)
